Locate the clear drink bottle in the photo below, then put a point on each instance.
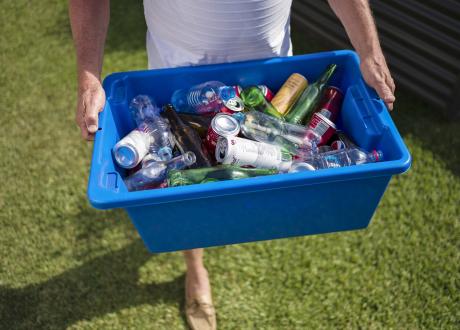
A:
(258, 126)
(212, 174)
(143, 107)
(337, 158)
(206, 98)
(155, 173)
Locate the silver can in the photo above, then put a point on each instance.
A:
(244, 152)
(130, 150)
(221, 125)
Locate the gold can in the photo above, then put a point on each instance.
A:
(289, 93)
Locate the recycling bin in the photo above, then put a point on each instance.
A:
(253, 209)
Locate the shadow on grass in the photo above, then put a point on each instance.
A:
(103, 285)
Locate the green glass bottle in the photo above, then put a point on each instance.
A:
(213, 174)
(308, 101)
(253, 98)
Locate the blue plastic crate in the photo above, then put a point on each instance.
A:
(260, 208)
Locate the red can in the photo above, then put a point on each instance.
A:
(235, 104)
(323, 127)
(232, 105)
(267, 92)
(238, 90)
(221, 125)
(331, 103)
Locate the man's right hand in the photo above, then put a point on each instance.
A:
(91, 101)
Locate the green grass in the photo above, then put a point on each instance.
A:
(66, 265)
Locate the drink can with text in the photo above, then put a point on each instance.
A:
(244, 152)
(221, 125)
(232, 105)
(289, 93)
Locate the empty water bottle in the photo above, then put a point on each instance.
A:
(337, 158)
(258, 126)
(143, 107)
(206, 98)
(155, 173)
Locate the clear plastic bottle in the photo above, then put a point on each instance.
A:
(337, 158)
(143, 107)
(206, 98)
(152, 135)
(154, 173)
(258, 126)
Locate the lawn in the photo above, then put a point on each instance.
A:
(65, 265)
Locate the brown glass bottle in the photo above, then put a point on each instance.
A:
(186, 137)
(198, 122)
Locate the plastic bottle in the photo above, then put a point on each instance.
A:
(155, 172)
(205, 98)
(214, 174)
(337, 158)
(263, 128)
(143, 107)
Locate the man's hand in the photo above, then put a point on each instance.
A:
(357, 20)
(376, 74)
(91, 100)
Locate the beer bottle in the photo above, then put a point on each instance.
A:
(213, 174)
(306, 105)
(187, 139)
(199, 123)
(254, 98)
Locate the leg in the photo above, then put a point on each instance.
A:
(197, 281)
(199, 308)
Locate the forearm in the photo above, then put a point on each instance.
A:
(356, 17)
(89, 20)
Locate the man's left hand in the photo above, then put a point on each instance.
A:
(377, 75)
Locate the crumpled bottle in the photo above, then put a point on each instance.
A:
(154, 173)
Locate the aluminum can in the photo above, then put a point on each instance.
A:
(232, 105)
(289, 93)
(221, 125)
(331, 103)
(323, 127)
(267, 92)
(244, 152)
(130, 150)
(238, 90)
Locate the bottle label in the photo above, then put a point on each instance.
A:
(323, 127)
(289, 93)
(245, 152)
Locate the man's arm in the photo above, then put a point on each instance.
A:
(357, 19)
(89, 20)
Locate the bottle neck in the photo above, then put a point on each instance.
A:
(174, 119)
(327, 74)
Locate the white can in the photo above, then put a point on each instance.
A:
(130, 150)
(244, 152)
